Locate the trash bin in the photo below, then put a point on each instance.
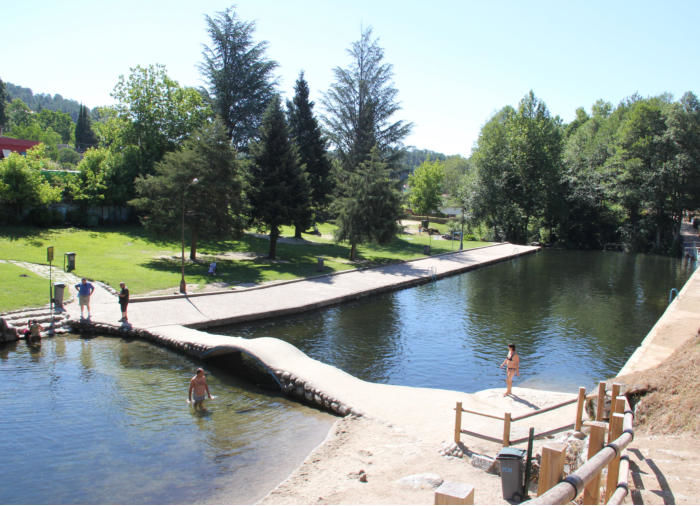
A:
(70, 261)
(512, 463)
(426, 250)
(319, 267)
(58, 290)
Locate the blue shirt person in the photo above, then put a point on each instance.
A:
(85, 289)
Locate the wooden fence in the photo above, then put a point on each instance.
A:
(586, 480)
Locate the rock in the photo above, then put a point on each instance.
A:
(421, 481)
(485, 463)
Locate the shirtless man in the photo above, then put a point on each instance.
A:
(198, 384)
(512, 363)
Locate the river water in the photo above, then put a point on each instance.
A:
(575, 317)
(105, 420)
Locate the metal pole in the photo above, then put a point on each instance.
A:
(461, 237)
(183, 285)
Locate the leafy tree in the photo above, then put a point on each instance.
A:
(369, 205)
(84, 136)
(307, 135)
(21, 184)
(157, 114)
(18, 114)
(59, 122)
(360, 104)
(239, 75)
(68, 157)
(426, 187)
(454, 167)
(279, 192)
(201, 181)
(89, 187)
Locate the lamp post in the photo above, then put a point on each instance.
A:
(461, 235)
(183, 284)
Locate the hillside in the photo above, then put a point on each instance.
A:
(39, 101)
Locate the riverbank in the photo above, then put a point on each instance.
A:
(401, 462)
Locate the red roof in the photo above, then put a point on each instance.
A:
(16, 145)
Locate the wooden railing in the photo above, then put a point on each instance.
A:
(507, 419)
(586, 479)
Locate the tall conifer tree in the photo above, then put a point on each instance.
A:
(278, 191)
(307, 135)
(84, 136)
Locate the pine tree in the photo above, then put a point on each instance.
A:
(239, 76)
(278, 191)
(369, 206)
(84, 136)
(312, 149)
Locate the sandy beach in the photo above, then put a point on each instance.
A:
(392, 455)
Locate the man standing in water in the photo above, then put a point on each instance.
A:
(198, 385)
(512, 363)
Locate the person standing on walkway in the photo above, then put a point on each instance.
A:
(198, 386)
(512, 363)
(85, 290)
(123, 300)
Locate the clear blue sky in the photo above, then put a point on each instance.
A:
(455, 62)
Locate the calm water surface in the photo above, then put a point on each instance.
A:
(105, 421)
(576, 317)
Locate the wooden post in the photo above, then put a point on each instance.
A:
(552, 466)
(614, 467)
(601, 402)
(454, 493)
(596, 440)
(579, 408)
(615, 391)
(506, 429)
(458, 422)
(620, 401)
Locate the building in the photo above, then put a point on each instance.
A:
(9, 145)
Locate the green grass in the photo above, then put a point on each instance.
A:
(148, 264)
(21, 288)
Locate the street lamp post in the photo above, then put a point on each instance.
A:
(183, 284)
(461, 235)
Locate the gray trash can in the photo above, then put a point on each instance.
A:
(512, 463)
(58, 291)
(319, 267)
(70, 262)
(426, 250)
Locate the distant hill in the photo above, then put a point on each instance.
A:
(413, 157)
(43, 100)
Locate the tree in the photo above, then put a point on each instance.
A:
(201, 181)
(3, 104)
(238, 74)
(360, 104)
(278, 188)
(22, 185)
(157, 114)
(369, 205)
(85, 138)
(59, 122)
(309, 140)
(426, 187)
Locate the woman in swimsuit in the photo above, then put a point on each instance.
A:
(512, 363)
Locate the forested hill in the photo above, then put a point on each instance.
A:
(43, 100)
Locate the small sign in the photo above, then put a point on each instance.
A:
(49, 254)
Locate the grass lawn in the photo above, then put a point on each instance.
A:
(21, 288)
(147, 264)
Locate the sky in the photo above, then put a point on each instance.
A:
(455, 62)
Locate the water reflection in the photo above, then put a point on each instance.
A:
(575, 316)
(106, 421)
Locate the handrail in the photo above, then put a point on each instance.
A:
(572, 486)
(483, 414)
(622, 489)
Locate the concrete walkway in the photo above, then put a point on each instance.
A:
(247, 304)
